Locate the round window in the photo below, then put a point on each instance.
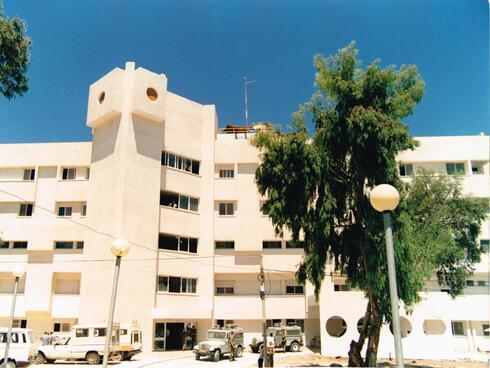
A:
(336, 326)
(152, 94)
(101, 97)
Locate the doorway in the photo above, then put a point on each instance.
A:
(168, 335)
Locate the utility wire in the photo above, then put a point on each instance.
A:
(190, 259)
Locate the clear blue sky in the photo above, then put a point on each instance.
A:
(204, 48)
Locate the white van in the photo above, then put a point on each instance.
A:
(130, 340)
(87, 342)
(23, 346)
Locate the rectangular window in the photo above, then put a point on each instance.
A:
(99, 332)
(179, 201)
(180, 162)
(25, 209)
(271, 245)
(29, 174)
(61, 327)
(4, 244)
(225, 245)
(64, 211)
(481, 283)
(227, 173)
(477, 168)
(341, 287)
(486, 329)
(20, 245)
(295, 244)
(406, 169)
(484, 245)
(455, 168)
(174, 284)
(84, 210)
(177, 243)
(470, 283)
(295, 289)
(79, 245)
(19, 323)
(225, 290)
(87, 173)
(457, 328)
(69, 173)
(68, 245)
(81, 332)
(226, 209)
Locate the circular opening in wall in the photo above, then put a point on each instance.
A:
(360, 323)
(152, 94)
(405, 327)
(336, 326)
(101, 97)
(434, 327)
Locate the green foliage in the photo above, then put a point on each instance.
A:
(14, 56)
(317, 187)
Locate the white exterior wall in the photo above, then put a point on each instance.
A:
(130, 131)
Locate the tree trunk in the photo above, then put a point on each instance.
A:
(373, 342)
(355, 358)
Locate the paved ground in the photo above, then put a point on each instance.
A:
(185, 359)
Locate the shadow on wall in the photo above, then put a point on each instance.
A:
(149, 137)
(104, 139)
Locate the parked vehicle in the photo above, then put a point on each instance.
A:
(217, 343)
(294, 338)
(23, 346)
(87, 342)
(130, 342)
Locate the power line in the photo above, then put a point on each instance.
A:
(190, 259)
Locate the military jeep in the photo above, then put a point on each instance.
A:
(294, 338)
(217, 343)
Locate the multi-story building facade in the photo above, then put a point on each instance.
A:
(160, 174)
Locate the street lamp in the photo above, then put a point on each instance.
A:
(385, 198)
(119, 248)
(18, 274)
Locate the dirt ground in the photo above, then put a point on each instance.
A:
(316, 360)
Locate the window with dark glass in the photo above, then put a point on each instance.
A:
(180, 162)
(406, 169)
(295, 244)
(29, 174)
(271, 245)
(175, 284)
(69, 173)
(64, 211)
(455, 168)
(179, 201)
(25, 209)
(20, 245)
(224, 244)
(294, 289)
(177, 243)
(226, 209)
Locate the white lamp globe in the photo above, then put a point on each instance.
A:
(120, 247)
(384, 197)
(18, 272)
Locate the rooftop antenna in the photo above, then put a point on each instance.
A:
(245, 83)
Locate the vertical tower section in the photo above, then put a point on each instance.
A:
(126, 111)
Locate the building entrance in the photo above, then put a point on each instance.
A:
(169, 335)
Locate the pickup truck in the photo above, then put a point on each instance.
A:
(87, 342)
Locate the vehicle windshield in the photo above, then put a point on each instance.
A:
(216, 335)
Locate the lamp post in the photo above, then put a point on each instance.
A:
(385, 198)
(261, 278)
(119, 248)
(17, 274)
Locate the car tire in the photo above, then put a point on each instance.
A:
(217, 355)
(50, 361)
(92, 358)
(40, 358)
(10, 364)
(197, 356)
(239, 352)
(294, 347)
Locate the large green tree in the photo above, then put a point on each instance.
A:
(14, 56)
(317, 187)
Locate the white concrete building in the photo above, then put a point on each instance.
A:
(160, 174)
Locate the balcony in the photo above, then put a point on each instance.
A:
(72, 190)
(65, 306)
(21, 189)
(250, 307)
(177, 221)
